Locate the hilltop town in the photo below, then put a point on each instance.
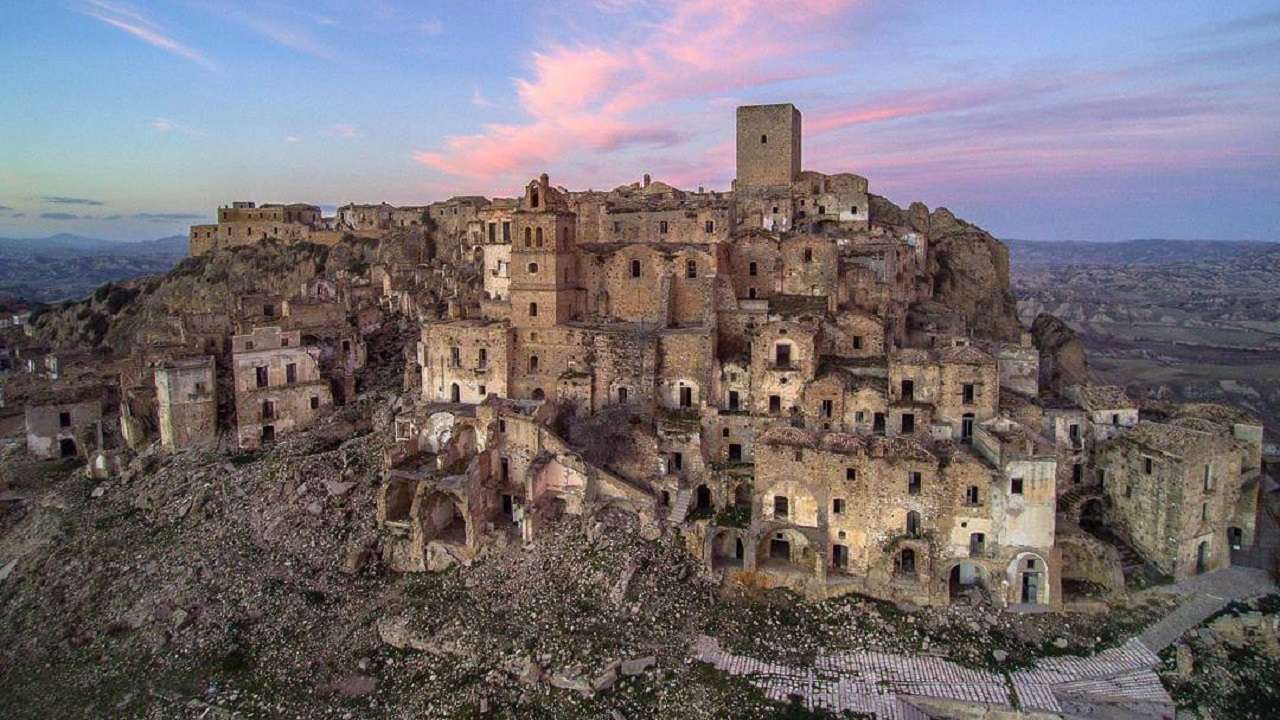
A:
(793, 388)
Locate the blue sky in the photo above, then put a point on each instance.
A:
(1083, 120)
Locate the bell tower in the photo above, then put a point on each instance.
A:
(543, 282)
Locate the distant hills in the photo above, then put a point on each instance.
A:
(67, 244)
(69, 267)
(1148, 251)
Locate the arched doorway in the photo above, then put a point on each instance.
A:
(1092, 515)
(1030, 575)
(702, 498)
(538, 394)
(455, 393)
(1202, 556)
(1235, 538)
(786, 550)
(727, 550)
(66, 448)
(965, 583)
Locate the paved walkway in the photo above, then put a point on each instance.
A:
(1206, 595)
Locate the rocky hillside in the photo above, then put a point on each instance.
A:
(201, 585)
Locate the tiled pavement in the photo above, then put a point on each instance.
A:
(1120, 682)
(884, 684)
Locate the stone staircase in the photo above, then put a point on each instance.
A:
(680, 506)
(1068, 501)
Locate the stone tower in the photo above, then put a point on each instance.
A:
(768, 145)
(542, 260)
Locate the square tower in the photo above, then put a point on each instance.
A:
(768, 145)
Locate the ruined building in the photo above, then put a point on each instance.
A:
(792, 376)
(767, 372)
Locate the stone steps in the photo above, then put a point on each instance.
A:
(680, 506)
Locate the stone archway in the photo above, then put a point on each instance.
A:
(727, 549)
(786, 550)
(1028, 577)
(968, 582)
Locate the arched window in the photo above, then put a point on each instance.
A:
(538, 394)
(907, 561)
(533, 309)
(635, 268)
(455, 393)
(537, 237)
(533, 197)
(533, 268)
(528, 237)
(533, 363)
(913, 524)
(691, 268)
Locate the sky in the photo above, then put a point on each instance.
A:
(1041, 120)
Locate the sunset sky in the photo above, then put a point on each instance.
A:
(1042, 120)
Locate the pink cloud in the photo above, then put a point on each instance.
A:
(601, 99)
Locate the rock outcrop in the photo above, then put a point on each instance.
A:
(1063, 359)
(971, 274)
(970, 267)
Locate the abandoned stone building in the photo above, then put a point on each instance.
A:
(278, 385)
(66, 422)
(245, 223)
(186, 402)
(766, 373)
(773, 380)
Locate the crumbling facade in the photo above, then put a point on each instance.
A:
(278, 385)
(187, 403)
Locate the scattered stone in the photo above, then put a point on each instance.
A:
(354, 686)
(635, 666)
(337, 488)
